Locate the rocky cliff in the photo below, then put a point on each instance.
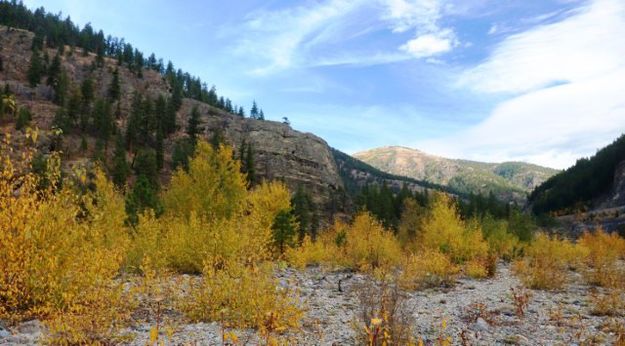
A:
(298, 159)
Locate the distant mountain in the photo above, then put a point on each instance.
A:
(597, 182)
(509, 181)
(355, 174)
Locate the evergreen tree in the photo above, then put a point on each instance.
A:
(170, 117)
(121, 169)
(134, 121)
(241, 112)
(60, 86)
(115, 87)
(183, 149)
(145, 165)
(304, 210)
(36, 69)
(62, 120)
(254, 111)
(286, 121)
(87, 90)
(261, 115)
(23, 118)
(284, 230)
(193, 126)
(103, 124)
(249, 165)
(158, 147)
(54, 70)
(142, 196)
(217, 139)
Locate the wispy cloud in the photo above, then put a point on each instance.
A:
(326, 33)
(568, 78)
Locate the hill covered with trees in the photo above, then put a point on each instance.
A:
(584, 185)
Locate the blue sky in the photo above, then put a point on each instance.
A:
(541, 81)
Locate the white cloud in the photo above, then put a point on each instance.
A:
(569, 78)
(422, 16)
(299, 36)
(429, 45)
(405, 15)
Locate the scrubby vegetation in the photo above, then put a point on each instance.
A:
(66, 243)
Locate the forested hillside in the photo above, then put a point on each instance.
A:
(508, 181)
(584, 185)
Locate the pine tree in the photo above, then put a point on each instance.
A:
(121, 169)
(249, 165)
(254, 111)
(61, 84)
(36, 69)
(303, 210)
(87, 90)
(134, 121)
(241, 112)
(193, 125)
(145, 164)
(103, 124)
(142, 196)
(115, 87)
(158, 147)
(170, 117)
(217, 139)
(23, 118)
(284, 230)
(54, 70)
(261, 115)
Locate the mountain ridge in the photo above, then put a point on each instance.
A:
(510, 181)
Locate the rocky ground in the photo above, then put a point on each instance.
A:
(480, 312)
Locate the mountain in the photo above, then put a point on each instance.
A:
(597, 182)
(357, 174)
(510, 181)
(279, 152)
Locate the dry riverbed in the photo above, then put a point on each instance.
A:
(477, 312)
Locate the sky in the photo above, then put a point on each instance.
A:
(540, 81)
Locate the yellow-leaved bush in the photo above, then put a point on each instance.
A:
(214, 225)
(362, 245)
(546, 262)
(60, 250)
(603, 250)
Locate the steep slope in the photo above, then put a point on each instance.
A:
(299, 159)
(592, 183)
(508, 181)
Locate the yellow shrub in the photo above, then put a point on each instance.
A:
(475, 269)
(308, 253)
(368, 245)
(212, 188)
(444, 230)
(243, 297)
(59, 254)
(210, 215)
(364, 245)
(546, 262)
(501, 242)
(603, 251)
(428, 268)
(610, 303)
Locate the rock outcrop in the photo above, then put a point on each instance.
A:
(280, 152)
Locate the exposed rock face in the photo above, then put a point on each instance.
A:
(279, 151)
(298, 159)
